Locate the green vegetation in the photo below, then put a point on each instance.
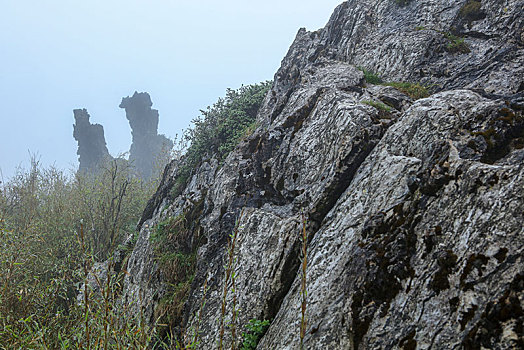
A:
(54, 227)
(413, 90)
(470, 8)
(256, 330)
(175, 250)
(378, 105)
(370, 77)
(220, 128)
(229, 286)
(456, 44)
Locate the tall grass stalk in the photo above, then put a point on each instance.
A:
(229, 270)
(86, 282)
(234, 313)
(194, 341)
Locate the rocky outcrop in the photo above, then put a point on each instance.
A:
(408, 255)
(92, 149)
(413, 208)
(148, 149)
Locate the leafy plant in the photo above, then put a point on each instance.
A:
(256, 329)
(370, 77)
(414, 90)
(176, 258)
(471, 11)
(219, 128)
(456, 44)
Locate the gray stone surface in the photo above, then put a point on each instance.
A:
(420, 245)
(414, 214)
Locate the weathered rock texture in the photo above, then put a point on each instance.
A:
(148, 148)
(92, 149)
(414, 214)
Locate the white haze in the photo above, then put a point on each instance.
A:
(61, 55)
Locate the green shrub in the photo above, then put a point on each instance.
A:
(456, 44)
(370, 77)
(221, 126)
(256, 329)
(414, 90)
(175, 242)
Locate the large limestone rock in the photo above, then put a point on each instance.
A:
(148, 149)
(425, 242)
(92, 150)
(414, 212)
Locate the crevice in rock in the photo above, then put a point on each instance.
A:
(290, 268)
(363, 144)
(475, 262)
(162, 192)
(434, 174)
(297, 119)
(409, 342)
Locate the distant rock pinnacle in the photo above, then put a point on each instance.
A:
(92, 149)
(147, 146)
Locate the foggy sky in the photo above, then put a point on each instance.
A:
(60, 55)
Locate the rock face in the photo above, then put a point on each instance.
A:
(147, 147)
(92, 149)
(414, 211)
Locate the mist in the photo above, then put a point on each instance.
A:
(59, 56)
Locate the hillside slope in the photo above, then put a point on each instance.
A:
(414, 208)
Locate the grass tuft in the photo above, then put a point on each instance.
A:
(378, 105)
(413, 90)
(229, 285)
